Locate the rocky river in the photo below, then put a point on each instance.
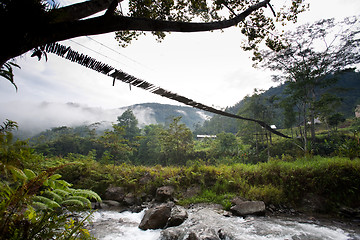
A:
(212, 224)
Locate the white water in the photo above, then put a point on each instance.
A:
(110, 225)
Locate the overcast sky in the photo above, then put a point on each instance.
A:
(207, 67)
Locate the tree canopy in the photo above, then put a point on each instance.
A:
(34, 23)
(310, 59)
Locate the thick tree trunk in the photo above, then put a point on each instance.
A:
(312, 115)
(32, 35)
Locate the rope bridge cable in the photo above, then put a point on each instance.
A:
(116, 74)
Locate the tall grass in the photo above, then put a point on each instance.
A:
(335, 179)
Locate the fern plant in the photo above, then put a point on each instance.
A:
(42, 206)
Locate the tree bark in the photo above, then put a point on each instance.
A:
(312, 115)
(62, 28)
(79, 10)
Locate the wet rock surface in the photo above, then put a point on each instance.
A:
(245, 208)
(163, 216)
(156, 217)
(164, 193)
(115, 193)
(177, 217)
(210, 222)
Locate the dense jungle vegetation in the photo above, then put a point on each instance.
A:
(49, 180)
(44, 177)
(54, 175)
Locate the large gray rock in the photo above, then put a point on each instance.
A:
(131, 199)
(203, 224)
(177, 217)
(204, 233)
(115, 194)
(163, 216)
(164, 193)
(245, 208)
(109, 205)
(156, 217)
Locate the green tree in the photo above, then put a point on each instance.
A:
(45, 22)
(326, 109)
(150, 145)
(312, 53)
(257, 107)
(289, 114)
(226, 144)
(128, 121)
(176, 143)
(334, 120)
(116, 145)
(63, 140)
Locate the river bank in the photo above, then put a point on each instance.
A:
(316, 184)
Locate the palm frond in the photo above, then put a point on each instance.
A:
(6, 71)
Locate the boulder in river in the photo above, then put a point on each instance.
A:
(177, 217)
(131, 199)
(204, 223)
(156, 217)
(109, 205)
(245, 208)
(115, 194)
(163, 216)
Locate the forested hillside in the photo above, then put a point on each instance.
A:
(44, 116)
(164, 113)
(347, 88)
(149, 155)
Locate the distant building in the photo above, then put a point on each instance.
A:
(357, 111)
(201, 137)
(316, 121)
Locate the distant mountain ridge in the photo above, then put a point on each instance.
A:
(46, 115)
(157, 113)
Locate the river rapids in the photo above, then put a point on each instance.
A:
(211, 224)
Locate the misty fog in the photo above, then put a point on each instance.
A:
(33, 118)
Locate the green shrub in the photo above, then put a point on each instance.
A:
(266, 193)
(41, 206)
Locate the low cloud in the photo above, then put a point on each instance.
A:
(33, 117)
(36, 117)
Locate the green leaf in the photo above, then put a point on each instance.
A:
(55, 177)
(54, 196)
(63, 184)
(18, 173)
(87, 193)
(84, 200)
(29, 173)
(73, 203)
(61, 192)
(40, 206)
(50, 204)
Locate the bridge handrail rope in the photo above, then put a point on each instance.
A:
(116, 74)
